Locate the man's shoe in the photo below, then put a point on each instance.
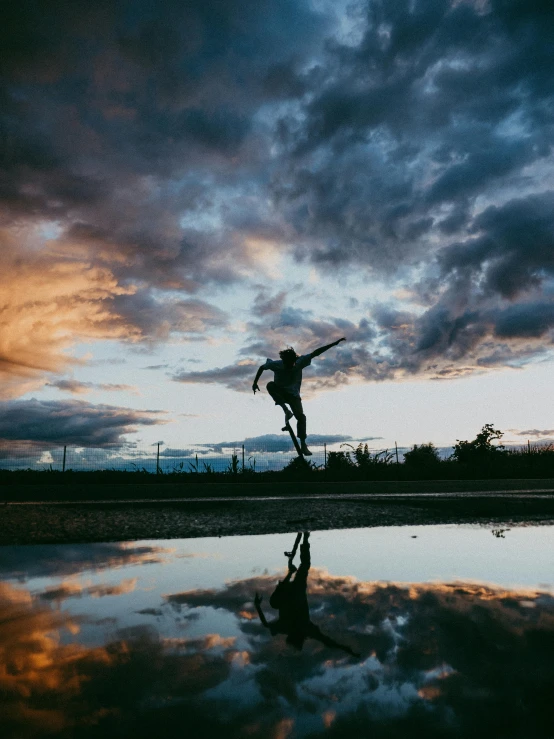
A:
(304, 449)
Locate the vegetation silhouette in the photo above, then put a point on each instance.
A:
(422, 458)
(481, 449)
(482, 458)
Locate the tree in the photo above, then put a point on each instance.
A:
(481, 449)
(339, 462)
(422, 456)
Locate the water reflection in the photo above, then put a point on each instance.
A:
(290, 598)
(123, 650)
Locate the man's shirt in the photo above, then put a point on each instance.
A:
(288, 378)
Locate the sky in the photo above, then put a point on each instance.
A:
(188, 187)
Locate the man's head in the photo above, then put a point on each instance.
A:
(289, 357)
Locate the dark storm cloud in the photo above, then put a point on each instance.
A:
(412, 668)
(513, 250)
(55, 560)
(527, 320)
(162, 92)
(278, 442)
(278, 325)
(234, 376)
(158, 320)
(58, 594)
(173, 452)
(537, 433)
(442, 659)
(116, 126)
(163, 149)
(439, 104)
(70, 422)
(494, 294)
(428, 109)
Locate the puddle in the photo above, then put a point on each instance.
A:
(435, 630)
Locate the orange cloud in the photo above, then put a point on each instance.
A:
(70, 589)
(100, 591)
(58, 294)
(47, 302)
(35, 666)
(49, 686)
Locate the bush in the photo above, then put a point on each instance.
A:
(481, 449)
(339, 462)
(422, 457)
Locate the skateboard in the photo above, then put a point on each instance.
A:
(291, 555)
(288, 427)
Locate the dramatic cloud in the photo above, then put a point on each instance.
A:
(48, 301)
(443, 659)
(59, 593)
(540, 434)
(275, 330)
(120, 136)
(411, 671)
(81, 388)
(277, 442)
(55, 560)
(60, 685)
(70, 422)
(236, 376)
(154, 161)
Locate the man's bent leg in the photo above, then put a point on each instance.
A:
(276, 393)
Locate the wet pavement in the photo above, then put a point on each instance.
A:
(441, 630)
(73, 522)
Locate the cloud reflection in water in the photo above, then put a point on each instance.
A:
(440, 659)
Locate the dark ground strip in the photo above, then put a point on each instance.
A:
(73, 523)
(190, 488)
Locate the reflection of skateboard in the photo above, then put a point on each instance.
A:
(288, 427)
(291, 555)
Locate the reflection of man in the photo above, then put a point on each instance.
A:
(285, 388)
(290, 599)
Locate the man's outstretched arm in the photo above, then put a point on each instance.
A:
(258, 375)
(328, 642)
(322, 349)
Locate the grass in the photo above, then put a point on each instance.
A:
(354, 464)
(471, 460)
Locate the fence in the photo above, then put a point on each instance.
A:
(157, 458)
(254, 455)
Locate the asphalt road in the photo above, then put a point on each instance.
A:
(140, 518)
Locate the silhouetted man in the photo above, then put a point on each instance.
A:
(285, 387)
(291, 600)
